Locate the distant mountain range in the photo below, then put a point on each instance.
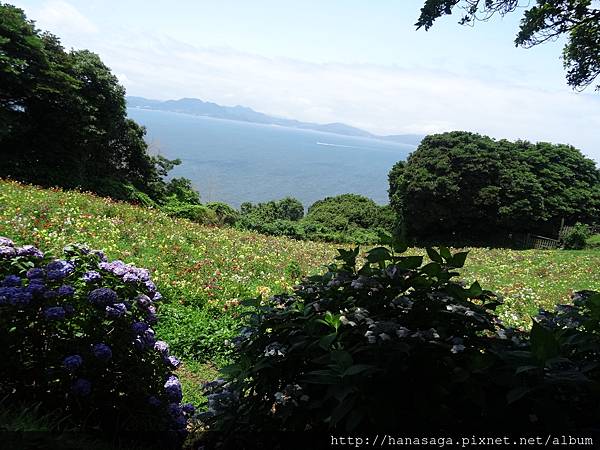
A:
(198, 107)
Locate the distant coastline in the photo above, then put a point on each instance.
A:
(238, 113)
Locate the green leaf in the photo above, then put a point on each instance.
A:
(445, 253)
(409, 262)
(458, 260)
(544, 345)
(358, 368)
(475, 290)
(522, 369)
(341, 358)
(321, 377)
(434, 255)
(432, 269)
(342, 410)
(378, 255)
(326, 341)
(517, 393)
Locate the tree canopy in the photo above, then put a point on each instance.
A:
(577, 20)
(463, 186)
(63, 118)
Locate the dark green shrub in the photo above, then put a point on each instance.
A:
(193, 212)
(461, 186)
(226, 215)
(397, 345)
(575, 238)
(287, 209)
(76, 337)
(346, 211)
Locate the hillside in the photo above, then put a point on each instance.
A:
(197, 266)
(198, 107)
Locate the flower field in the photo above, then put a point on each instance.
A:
(204, 272)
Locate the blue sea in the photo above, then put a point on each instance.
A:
(236, 162)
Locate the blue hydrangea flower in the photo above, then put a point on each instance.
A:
(81, 387)
(15, 296)
(7, 252)
(102, 297)
(100, 254)
(150, 286)
(72, 363)
(188, 408)
(11, 281)
(173, 361)
(148, 338)
(115, 311)
(157, 296)
(173, 389)
(36, 286)
(102, 352)
(178, 418)
(35, 273)
(130, 277)
(162, 347)
(59, 269)
(143, 300)
(54, 313)
(91, 276)
(6, 242)
(139, 327)
(66, 290)
(29, 250)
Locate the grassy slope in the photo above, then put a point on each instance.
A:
(194, 265)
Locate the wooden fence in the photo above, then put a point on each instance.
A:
(541, 242)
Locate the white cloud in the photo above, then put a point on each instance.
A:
(61, 16)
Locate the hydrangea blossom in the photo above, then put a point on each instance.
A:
(115, 311)
(35, 273)
(81, 387)
(54, 313)
(29, 250)
(72, 363)
(102, 352)
(102, 297)
(11, 281)
(36, 286)
(173, 389)
(91, 276)
(6, 242)
(59, 269)
(161, 347)
(139, 327)
(6, 251)
(173, 361)
(66, 290)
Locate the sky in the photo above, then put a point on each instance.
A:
(359, 62)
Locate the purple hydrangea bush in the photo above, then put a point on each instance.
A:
(77, 336)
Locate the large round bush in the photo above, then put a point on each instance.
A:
(77, 337)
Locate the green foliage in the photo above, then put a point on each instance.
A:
(76, 338)
(575, 238)
(347, 211)
(63, 119)
(226, 215)
(398, 344)
(183, 191)
(461, 186)
(577, 20)
(287, 209)
(194, 212)
(344, 218)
